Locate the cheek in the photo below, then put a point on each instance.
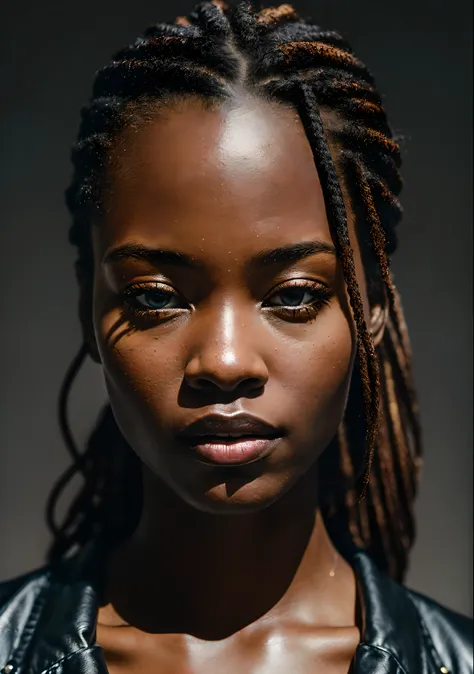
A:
(142, 371)
(317, 375)
(141, 368)
(143, 379)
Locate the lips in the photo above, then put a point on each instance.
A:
(230, 440)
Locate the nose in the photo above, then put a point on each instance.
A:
(225, 354)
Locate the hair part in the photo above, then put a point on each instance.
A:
(211, 54)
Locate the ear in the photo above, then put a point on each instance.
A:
(85, 281)
(378, 321)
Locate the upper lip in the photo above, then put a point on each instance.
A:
(236, 424)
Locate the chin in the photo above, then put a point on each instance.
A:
(234, 493)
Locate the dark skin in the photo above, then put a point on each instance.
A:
(230, 569)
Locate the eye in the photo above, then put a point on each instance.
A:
(295, 296)
(155, 299)
(146, 298)
(299, 301)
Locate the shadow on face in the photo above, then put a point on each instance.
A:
(216, 290)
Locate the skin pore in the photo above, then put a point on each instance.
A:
(230, 569)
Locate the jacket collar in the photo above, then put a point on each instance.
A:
(391, 629)
(391, 639)
(72, 602)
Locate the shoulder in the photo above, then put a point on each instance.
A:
(21, 586)
(65, 571)
(53, 607)
(449, 633)
(418, 633)
(18, 599)
(18, 595)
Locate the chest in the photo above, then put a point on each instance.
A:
(292, 650)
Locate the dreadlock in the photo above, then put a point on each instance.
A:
(374, 461)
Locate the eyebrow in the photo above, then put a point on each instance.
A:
(156, 256)
(291, 252)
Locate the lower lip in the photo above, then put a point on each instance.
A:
(234, 452)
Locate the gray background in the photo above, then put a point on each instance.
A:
(420, 52)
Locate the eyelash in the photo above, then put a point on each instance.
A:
(305, 311)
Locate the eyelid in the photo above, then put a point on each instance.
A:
(296, 283)
(132, 288)
(305, 282)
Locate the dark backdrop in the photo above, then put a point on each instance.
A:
(420, 52)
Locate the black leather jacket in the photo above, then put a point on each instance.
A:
(48, 622)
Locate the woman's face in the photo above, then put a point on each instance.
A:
(233, 315)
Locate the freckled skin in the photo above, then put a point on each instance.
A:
(221, 185)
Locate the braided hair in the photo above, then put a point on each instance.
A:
(373, 463)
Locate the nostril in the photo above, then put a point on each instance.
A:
(203, 383)
(229, 385)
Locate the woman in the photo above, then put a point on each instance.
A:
(247, 496)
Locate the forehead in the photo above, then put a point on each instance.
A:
(241, 174)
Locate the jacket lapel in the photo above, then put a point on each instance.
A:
(392, 637)
(65, 636)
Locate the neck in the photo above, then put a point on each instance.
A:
(182, 569)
